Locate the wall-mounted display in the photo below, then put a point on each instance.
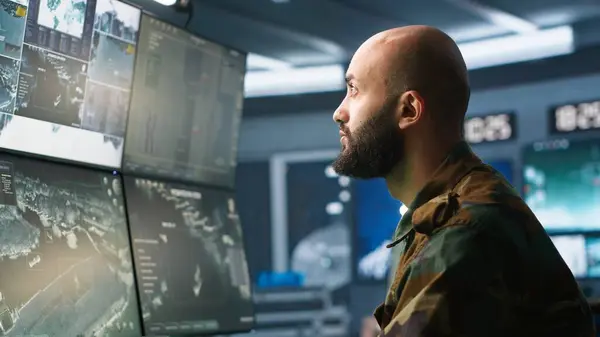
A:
(580, 252)
(66, 70)
(578, 117)
(562, 184)
(186, 107)
(490, 128)
(189, 256)
(65, 258)
(318, 216)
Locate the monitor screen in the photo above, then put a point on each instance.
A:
(562, 184)
(64, 253)
(66, 70)
(377, 214)
(318, 224)
(504, 167)
(190, 261)
(581, 253)
(186, 107)
(572, 249)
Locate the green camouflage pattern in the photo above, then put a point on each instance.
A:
(476, 262)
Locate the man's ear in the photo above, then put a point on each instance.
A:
(410, 109)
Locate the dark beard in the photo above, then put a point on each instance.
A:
(373, 149)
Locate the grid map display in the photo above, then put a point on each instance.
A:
(186, 107)
(66, 70)
(189, 254)
(65, 255)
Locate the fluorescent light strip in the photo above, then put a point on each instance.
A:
(166, 2)
(518, 48)
(294, 81)
(256, 61)
(480, 54)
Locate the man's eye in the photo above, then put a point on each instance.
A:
(351, 89)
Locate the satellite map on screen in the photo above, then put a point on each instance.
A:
(67, 16)
(64, 253)
(190, 260)
(60, 60)
(13, 16)
(9, 71)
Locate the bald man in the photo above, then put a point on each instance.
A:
(473, 259)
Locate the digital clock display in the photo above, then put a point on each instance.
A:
(575, 117)
(490, 128)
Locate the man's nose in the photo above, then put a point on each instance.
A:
(340, 115)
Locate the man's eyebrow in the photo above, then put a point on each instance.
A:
(349, 78)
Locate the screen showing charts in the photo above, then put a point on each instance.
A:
(562, 184)
(581, 253)
(186, 107)
(65, 76)
(190, 261)
(376, 216)
(64, 253)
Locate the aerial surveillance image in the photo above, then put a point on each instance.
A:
(9, 74)
(64, 253)
(111, 61)
(190, 259)
(117, 19)
(51, 87)
(66, 16)
(105, 109)
(12, 27)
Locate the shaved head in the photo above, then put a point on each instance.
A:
(426, 60)
(399, 80)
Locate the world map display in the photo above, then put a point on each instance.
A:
(67, 16)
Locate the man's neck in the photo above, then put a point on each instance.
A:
(409, 177)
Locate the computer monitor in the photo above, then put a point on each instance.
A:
(562, 184)
(572, 249)
(318, 230)
(581, 253)
(66, 70)
(186, 107)
(377, 215)
(505, 167)
(189, 256)
(64, 252)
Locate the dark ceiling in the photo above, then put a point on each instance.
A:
(309, 32)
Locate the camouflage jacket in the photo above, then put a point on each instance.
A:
(475, 262)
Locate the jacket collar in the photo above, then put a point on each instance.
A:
(459, 162)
